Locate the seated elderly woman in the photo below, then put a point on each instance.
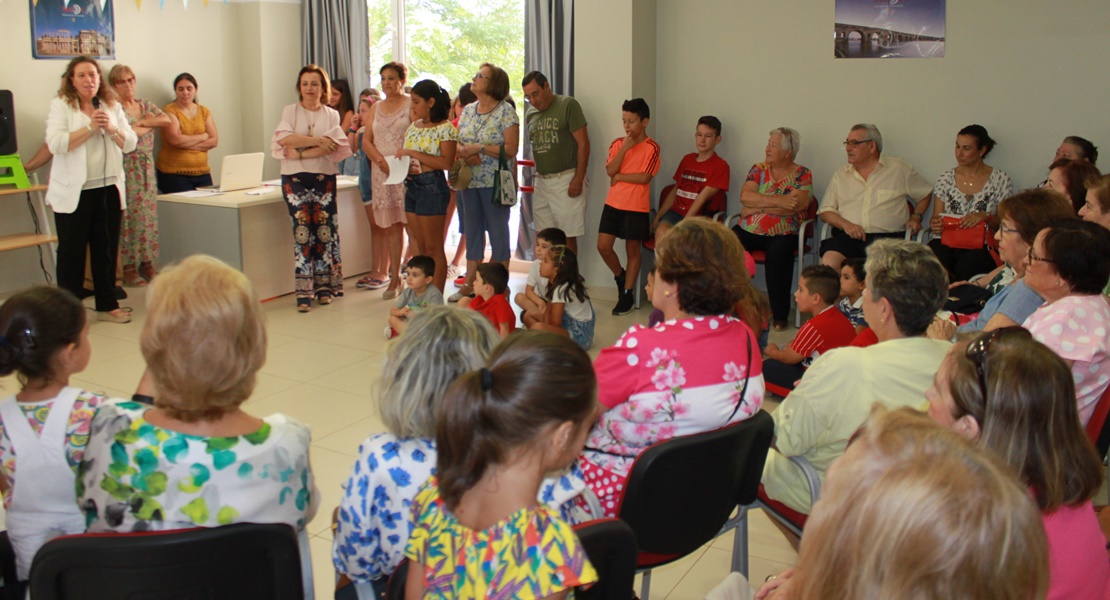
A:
(196, 458)
(1069, 177)
(1022, 217)
(1014, 397)
(696, 371)
(1076, 148)
(914, 511)
(439, 344)
(905, 286)
(777, 196)
(1069, 265)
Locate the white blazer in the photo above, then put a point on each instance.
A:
(69, 170)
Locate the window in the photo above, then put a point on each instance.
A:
(447, 40)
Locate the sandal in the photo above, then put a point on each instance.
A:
(119, 315)
(324, 299)
(146, 271)
(304, 304)
(464, 292)
(132, 278)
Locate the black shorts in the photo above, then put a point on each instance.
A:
(850, 247)
(625, 224)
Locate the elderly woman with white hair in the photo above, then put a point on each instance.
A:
(777, 196)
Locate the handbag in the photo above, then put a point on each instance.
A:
(504, 184)
(967, 299)
(971, 238)
(459, 175)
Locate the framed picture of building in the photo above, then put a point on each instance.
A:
(62, 29)
(889, 29)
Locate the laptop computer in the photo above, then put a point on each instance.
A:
(241, 172)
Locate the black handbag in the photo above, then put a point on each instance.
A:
(967, 299)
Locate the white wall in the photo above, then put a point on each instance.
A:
(1030, 72)
(245, 56)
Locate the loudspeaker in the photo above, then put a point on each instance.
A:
(7, 124)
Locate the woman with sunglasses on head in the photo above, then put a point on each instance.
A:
(1068, 265)
(1014, 397)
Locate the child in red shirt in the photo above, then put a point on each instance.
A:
(818, 290)
(490, 284)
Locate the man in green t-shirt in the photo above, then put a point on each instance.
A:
(561, 149)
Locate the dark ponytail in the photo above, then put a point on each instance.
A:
(34, 325)
(534, 380)
(566, 274)
(430, 90)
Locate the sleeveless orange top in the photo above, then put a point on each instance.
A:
(178, 161)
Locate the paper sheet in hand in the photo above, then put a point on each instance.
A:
(398, 169)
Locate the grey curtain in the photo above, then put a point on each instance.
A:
(336, 37)
(549, 49)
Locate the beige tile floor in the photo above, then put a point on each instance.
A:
(319, 370)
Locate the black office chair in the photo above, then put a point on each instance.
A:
(244, 560)
(611, 548)
(680, 493)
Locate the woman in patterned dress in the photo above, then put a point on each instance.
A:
(196, 458)
(697, 371)
(309, 142)
(777, 196)
(138, 248)
(971, 191)
(183, 161)
(384, 136)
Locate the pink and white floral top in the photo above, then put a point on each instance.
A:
(680, 377)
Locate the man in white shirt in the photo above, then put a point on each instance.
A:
(867, 199)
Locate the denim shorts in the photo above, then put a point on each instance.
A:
(671, 217)
(427, 194)
(581, 332)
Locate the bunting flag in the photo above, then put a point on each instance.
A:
(103, 3)
(139, 4)
(185, 3)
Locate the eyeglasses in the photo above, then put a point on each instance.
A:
(479, 75)
(977, 353)
(854, 143)
(1034, 258)
(1004, 230)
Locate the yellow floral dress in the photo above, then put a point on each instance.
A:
(531, 554)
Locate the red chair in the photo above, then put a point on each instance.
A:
(1098, 427)
(806, 245)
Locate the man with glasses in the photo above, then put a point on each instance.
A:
(561, 149)
(867, 199)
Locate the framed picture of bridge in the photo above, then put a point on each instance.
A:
(889, 29)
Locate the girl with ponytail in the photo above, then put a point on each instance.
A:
(44, 429)
(499, 431)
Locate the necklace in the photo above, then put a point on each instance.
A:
(312, 116)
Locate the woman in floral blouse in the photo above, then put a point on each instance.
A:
(697, 371)
(196, 459)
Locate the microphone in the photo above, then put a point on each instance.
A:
(96, 106)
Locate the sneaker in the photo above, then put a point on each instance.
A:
(460, 280)
(389, 332)
(624, 303)
(619, 279)
(453, 271)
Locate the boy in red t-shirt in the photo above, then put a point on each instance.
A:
(490, 284)
(699, 177)
(633, 161)
(818, 289)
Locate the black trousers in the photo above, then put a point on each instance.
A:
(95, 224)
(782, 374)
(962, 264)
(778, 266)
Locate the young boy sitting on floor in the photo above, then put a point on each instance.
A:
(490, 284)
(698, 178)
(851, 292)
(633, 161)
(418, 294)
(818, 289)
(535, 290)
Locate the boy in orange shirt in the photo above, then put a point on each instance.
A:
(633, 161)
